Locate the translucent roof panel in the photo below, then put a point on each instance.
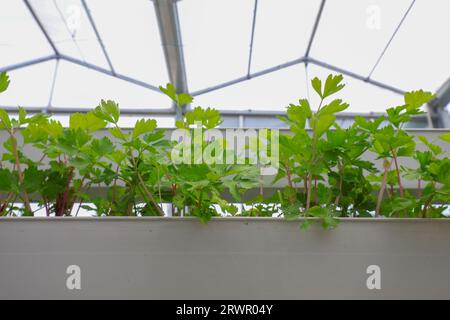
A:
(216, 39)
(20, 37)
(77, 86)
(419, 56)
(282, 31)
(68, 26)
(353, 35)
(29, 86)
(273, 91)
(123, 38)
(131, 36)
(363, 97)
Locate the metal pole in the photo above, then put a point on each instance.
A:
(27, 63)
(41, 26)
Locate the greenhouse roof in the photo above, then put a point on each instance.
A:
(66, 55)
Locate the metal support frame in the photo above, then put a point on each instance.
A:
(391, 38)
(437, 107)
(109, 72)
(97, 34)
(169, 29)
(41, 26)
(355, 76)
(70, 110)
(316, 25)
(28, 63)
(295, 62)
(52, 89)
(250, 53)
(250, 76)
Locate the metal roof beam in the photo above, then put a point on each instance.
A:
(437, 106)
(109, 73)
(27, 63)
(41, 26)
(295, 62)
(316, 25)
(169, 29)
(250, 76)
(391, 38)
(97, 34)
(250, 53)
(355, 75)
(69, 110)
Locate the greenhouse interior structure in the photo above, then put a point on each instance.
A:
(297, 148)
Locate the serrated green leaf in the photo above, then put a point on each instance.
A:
(116, 132)
(143, 126)
(4, 81)
(102, 146)
(54, 128)
(5, 121)
(169, 91)
(434, 148)
(324, 123)
(184, 98)
(117, 156)
(33, 179)
(179, 99)
(79, 163)
(333, 107)
(108, 111)
(8, 181)
(89, 121)
(179, 124)
(415, 99)
(332, 85)
(317, 86)
(22, 115)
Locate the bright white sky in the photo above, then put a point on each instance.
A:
(216, 37)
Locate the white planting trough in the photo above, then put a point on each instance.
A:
(230, 258)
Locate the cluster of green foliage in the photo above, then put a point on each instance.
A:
(338, 183)
(321, 162)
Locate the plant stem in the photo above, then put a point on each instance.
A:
(47, 209)
(382, 187)
(62, 208)
(341, 178)
(397, 171)
(426, 205)
(77, 192)
(81, 202)
(419, 187)
(313, 158)
(12, 206)
(113, 196)
(315, 191)
(26, 199)
(149, 195)
(159, 186)
(4, 205)
(288, 174)
(144, 187)
(305, 184)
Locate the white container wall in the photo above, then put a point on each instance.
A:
(230, 258)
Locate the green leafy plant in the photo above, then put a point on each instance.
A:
(321, 163)
(197, 186)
